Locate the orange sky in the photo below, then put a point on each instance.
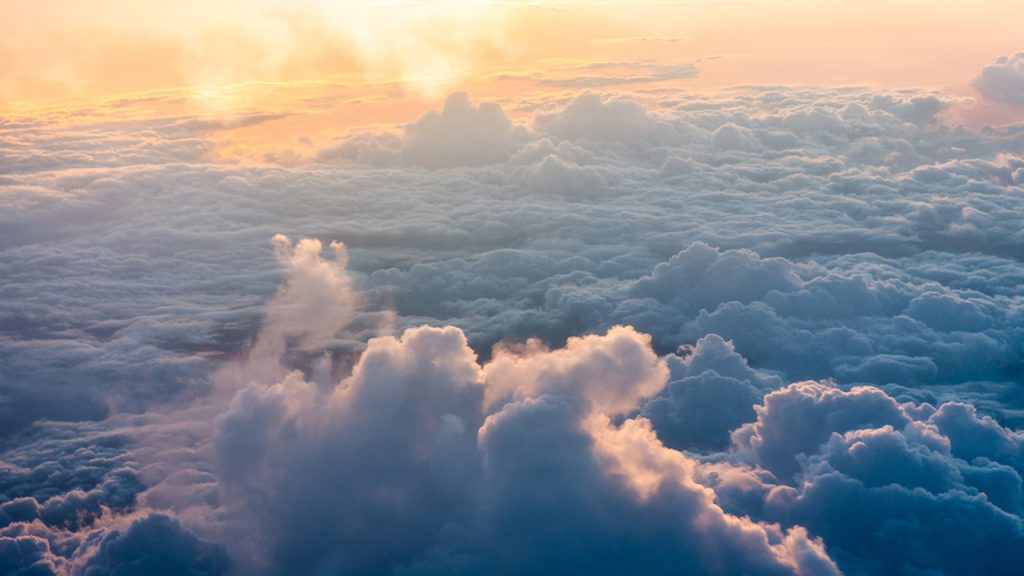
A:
(384, 62)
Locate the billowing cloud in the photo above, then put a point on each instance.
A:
(873, 472)
(1003, 80)
(713, 391)
(155, 544)
(461, 134)
(314, 304)
(424, 461)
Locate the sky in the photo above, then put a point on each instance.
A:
(511, 287)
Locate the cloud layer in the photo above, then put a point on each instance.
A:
(772, 331)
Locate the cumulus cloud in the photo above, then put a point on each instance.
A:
(389, 448)
(872, 470)
(712, 392)
(424, 461)
(27, 556)
(697, 276)
(1003, 80)
(623, 124)
(556, 176)
(155, 544)
(799, 419)
(314, 304)
(460, 134)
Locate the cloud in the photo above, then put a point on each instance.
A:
(696, 277)
(314, 304)
(461, 134)
(423, 457)
(606, 74)
(699, 411)
(737, 138)
(554, 176)
(360, 477)
(27, 556)
(591, 119)
(616, 487)
(871, 470)
(1003, 80)
(155, 544)
(774, 330)
(712, 392)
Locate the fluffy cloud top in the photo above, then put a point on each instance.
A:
(154, 545)
(400, 467)
(891, 486)
(1003, 80)
(461, 134)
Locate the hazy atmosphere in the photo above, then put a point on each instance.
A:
(313, 287)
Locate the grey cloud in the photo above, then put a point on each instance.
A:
(870, 470)
(461, 134)
(712, 392)
(425, 462)
(26, 556)
(394, 445)
(623, 122)
(699, 412)
(701, 277)
(156, 544)
(801, 417)
(1003, 80)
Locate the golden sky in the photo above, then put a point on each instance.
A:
(386, 61)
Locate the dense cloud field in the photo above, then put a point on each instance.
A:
(773, 331)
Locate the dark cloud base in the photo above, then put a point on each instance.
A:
(777, 331)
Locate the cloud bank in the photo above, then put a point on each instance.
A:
(771, 331)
